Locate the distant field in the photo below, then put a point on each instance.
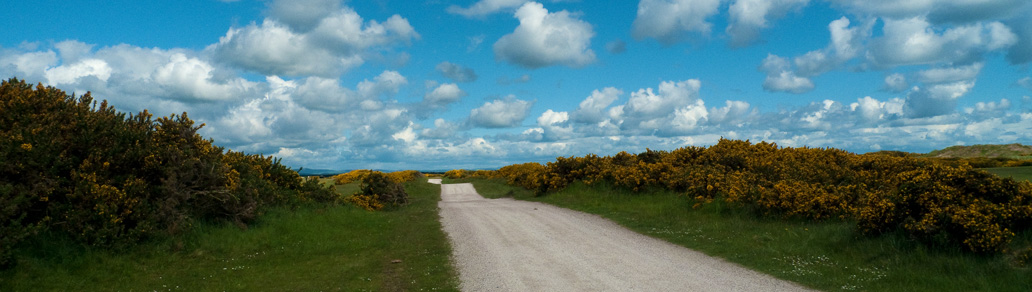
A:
(1017, 173)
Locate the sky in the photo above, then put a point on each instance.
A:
(437, 85)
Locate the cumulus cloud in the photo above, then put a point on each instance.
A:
(301, 15)
(444, 94)
(676, 105)
(749, 17)
(335, 45)
(935, 100)
(592, 109)
(546, 39)
(734, 112)
(550, 118)
(780, 76)
(69, 74)
(950, 74)
(871, 110)
(190, 78)
(942, 11)
(387, 83)
(442, 130)
(324, 94)
(895, 83)
(485, 7)
(456, 72)
(913, 41)
(501, 113)
(669, 20)
(989, 109)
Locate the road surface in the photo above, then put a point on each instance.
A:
(510, 245)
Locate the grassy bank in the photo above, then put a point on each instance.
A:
(314, 248)
(826, 256)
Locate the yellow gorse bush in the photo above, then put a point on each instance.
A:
(945, 202)
(105, 178)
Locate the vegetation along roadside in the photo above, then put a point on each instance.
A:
(799, 213)
(92, 199)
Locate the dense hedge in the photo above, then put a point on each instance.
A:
(939, 202)
(107, 179)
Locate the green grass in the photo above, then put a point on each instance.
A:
(312, 248)
(1017, 173)
(826, 255)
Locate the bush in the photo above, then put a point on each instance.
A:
(110, 179)
(939, 202)
(378, 191)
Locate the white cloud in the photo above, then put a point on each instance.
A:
(68, 74)
(456, 72)
(989, 109)
(668, 20)
(345, 32)
(326, 95)
(500, 113)
(647, 111)
(950, 74)
(549, 118)
(190, 78)
(940, 11)
(71, 50)
(781, 78)
(272, 49)
(27, 65)
(301, 15)
(442, 130)
(871, 110)
(485, 7)
(732, 113)
(335, 45)
(895, 83)
(913, 41)
(935, 100)
(387, 83)
(591, 110)
(444, 94)
(546, 39)
(689, 117)
(749, 17)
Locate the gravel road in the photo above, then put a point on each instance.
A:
(510, 245)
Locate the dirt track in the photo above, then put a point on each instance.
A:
(510, 245)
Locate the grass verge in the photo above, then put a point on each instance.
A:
(1016, 173)
(823, 255)
(312, 248)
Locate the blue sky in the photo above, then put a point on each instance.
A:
(480, 84)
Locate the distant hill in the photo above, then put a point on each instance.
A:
(986, 151)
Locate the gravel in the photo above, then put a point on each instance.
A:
(510, 245)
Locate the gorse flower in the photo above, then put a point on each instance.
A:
(937, 201)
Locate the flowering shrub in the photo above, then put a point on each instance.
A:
(935, 201)
(351, 176)
(377, 191)
(107, 178)
(404, 176)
